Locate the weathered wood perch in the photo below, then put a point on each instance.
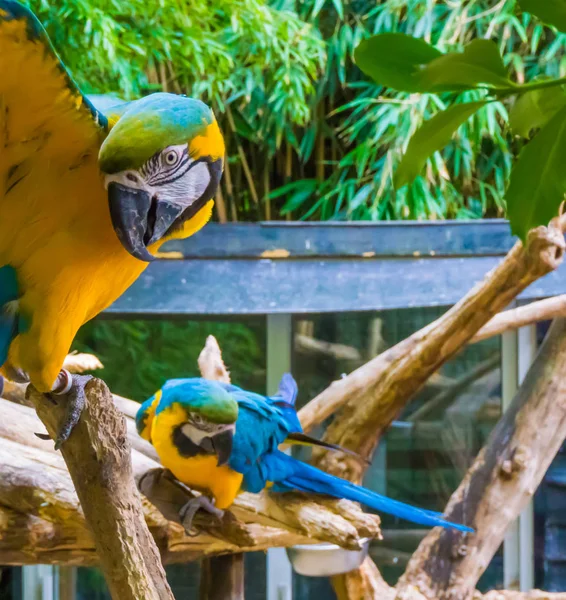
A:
(374, 395)
(503, 478)
(98, 459)
(41, 520)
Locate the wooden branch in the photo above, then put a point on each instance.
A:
(98, 458)
(265, 520)
(504, 476)
(309, 345)
(377, 392)
(50, 528)
(77, 362)
(542, 310)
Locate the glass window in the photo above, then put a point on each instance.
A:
(424, 455)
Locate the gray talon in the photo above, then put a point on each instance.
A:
(75, 402)
(190, 509)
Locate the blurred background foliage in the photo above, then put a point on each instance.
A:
(140, 356)
(308, 135)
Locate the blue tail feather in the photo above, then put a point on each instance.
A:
(8, 317)
(306, 478)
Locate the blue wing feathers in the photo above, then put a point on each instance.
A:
(263, 424)
(8, 316)
(291, 474)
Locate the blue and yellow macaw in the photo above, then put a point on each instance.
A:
(221, 440)
(86, 199)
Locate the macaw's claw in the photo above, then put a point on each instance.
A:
(190, 509)
(174, 499)
(72, 389)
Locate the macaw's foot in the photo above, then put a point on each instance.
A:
(174, 499)
(188, 512)
(72, 389)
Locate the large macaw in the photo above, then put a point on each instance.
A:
(86, 199)
(221, 439)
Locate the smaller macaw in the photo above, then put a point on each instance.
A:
(221, 439)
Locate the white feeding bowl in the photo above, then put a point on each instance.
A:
(326, 560)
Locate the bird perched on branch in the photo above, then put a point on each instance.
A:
(86, 199)
(220, 439)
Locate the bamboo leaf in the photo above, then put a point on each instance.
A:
(538, 179)
(552, 12)
(432, 136)
(534, 109)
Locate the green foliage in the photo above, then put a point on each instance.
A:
(552, 12)
(534, 109)
(538, 185)
(433, 135)
(301, 118)
(396, 60)
(139, 356)
(538, 181)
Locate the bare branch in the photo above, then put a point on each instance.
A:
(504, 476)
(542, 310)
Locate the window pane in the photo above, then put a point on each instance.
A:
(424, 455)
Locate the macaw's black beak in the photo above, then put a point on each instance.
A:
(222, 444)
(138, 219)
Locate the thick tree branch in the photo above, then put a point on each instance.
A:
(376, 393)
(98, 458)
(504, 476)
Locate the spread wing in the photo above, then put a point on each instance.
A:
(41, 107)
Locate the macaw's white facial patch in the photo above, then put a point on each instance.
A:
(171, 175)
(197, 434)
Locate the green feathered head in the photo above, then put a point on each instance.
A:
(202, 399)
(162, 161)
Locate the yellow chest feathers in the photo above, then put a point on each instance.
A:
(199, 472)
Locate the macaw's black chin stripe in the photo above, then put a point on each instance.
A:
(187, 447)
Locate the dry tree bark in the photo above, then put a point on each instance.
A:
(374, 394)
(97, 455)
(35, 484)
(542, 310)
(504, 476)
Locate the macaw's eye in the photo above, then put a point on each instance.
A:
(171, 158)
(197, 419)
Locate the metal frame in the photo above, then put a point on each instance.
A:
(518, 349)
(279, 356)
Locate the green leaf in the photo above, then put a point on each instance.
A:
(433, 135)
(480, 65)
(552, 12)
(538, 179)
(395, 60)
(339, 8)
(534, 109)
